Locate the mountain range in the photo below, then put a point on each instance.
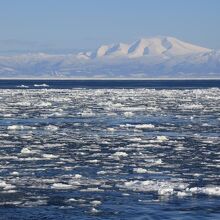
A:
(156, 57)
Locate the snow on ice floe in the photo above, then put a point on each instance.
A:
(15, 173)
(41, 85)
(94, 210)
(208, 190)
(44, 104)
(77, 176)
(6, 186)
(62, 186)
(51, 128)
(162, 138)
(16, 127)
(23, 86)
(23, 103)
(144, 126)
(7, 115)
(138, 126)
(26, 150)
(160, 187)
(128, 114)
(120, 154)
(111, 129)
(20, 127)
(96, 202)
(87, 114)
(191, 106)
(96, 189)
(49, 156)
(140, 170)
(4, 135)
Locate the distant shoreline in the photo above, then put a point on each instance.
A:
(109, 79)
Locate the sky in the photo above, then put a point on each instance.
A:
(85, 24)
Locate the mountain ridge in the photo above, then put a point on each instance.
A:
(154, 46)
(162, 57)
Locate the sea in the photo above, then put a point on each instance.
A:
(109, 149)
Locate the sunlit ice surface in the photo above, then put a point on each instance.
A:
(109, 153)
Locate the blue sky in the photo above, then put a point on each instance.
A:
(39, 24)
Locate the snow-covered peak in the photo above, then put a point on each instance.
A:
(155, 46)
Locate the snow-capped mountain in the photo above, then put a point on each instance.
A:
(157, 46)
(148, 57)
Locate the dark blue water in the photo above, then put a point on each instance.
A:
(92, 150)
(68, 84)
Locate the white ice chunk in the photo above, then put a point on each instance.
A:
(51, 128)
(128, 114)
(120, 154)
(144, 126)
(41, 85)
(140, 170)
(162, 138)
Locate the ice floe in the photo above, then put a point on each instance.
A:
(105, 142)
(23, 86)
(51, 128)
(41, 85)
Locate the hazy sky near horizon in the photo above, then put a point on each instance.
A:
(38, 24)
